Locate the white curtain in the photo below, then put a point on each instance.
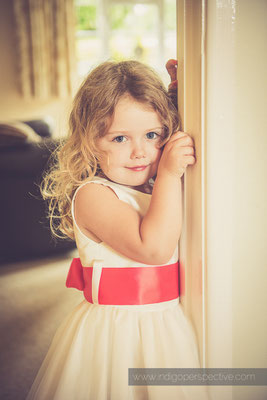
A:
(45, 47)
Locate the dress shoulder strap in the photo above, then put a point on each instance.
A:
(115, 187)
(94, 180)
(138, 200)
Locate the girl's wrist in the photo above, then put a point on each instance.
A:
(168, 176)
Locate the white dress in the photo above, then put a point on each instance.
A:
(95, 345)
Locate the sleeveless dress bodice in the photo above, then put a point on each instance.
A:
(91, 251)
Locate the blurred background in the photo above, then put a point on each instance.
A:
(47, 47)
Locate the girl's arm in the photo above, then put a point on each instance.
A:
(153, 238)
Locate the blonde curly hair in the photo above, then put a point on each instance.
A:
(76, 158)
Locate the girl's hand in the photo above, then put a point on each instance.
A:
(178, 153)
(171, 67)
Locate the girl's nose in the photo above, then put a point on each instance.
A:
(138, 151)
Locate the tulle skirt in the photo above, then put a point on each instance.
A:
(95, 345)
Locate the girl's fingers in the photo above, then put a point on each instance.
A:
(177, 135)
(186, 139)
(189, 150)
(190, 160)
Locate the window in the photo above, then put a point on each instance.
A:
(125, 29)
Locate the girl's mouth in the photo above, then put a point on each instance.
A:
(138, 168)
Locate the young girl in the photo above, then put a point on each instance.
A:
(116, 189)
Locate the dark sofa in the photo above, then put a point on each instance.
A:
(25, 232)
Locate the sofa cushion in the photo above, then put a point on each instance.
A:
(17, 133)
(29, 160)
(44, 127)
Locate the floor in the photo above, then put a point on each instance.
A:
(33, 302)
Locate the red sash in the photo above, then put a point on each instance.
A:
(127, 285)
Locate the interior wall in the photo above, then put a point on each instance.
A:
(236, 193)
(231, 145)
(12, 104)
(220, 148)
(250, 194)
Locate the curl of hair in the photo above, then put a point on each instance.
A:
(76, 158)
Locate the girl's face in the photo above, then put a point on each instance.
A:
(131, 144)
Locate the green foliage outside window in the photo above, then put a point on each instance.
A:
(86, 15)
(118, 14)
(86, 18)
(170, 13)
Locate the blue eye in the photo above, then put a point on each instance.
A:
(119, 139)
(152, 135)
